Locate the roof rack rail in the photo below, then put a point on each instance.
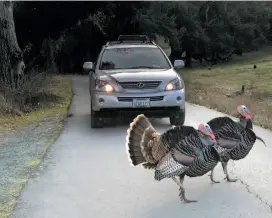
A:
(131, 39)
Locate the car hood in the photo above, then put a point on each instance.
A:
(138, 75)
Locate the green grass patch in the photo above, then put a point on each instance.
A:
(60, 86)
(11, 194)
(34, 163)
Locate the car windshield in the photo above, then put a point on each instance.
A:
(133, 58)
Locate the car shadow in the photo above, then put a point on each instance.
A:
(81, 123)
(125, 122)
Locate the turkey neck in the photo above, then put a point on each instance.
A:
(206, 140)
(245, 123)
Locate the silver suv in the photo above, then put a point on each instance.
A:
(134, 75)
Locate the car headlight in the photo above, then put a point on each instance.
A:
(175, 84)
(103, 86)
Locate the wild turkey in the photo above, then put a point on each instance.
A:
(238, 136)
(177, 152)
(254, 66)
(237, 93)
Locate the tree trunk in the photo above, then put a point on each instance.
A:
(188, 58)
(11, 56)
(49, 57)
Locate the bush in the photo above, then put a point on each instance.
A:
(23, 92)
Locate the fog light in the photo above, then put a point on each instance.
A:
(178, 98)
(101, 100)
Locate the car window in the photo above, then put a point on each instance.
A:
(133, 58)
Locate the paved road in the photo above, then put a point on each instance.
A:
(86, 174)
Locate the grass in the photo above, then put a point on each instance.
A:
(61, 86)
(34, 163)
(13, 193)
(209, 87)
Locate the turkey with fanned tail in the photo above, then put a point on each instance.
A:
(179, 151)
(236, 138)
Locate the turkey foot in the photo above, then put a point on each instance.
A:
(212, 178)
(224, 165)
(182, 190)
(183, 197)
(230, 180)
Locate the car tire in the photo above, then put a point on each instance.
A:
(178, 118)
(96, 120)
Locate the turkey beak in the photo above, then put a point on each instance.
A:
(247, 116)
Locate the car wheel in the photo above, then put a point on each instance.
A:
(96, 120)
(178, 118)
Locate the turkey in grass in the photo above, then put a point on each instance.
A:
(179, 151)
(237, 138)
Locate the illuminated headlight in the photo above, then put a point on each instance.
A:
(103, 86)
(175, 84)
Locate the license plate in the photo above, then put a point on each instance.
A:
(141, 103)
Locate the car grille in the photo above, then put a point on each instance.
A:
(129, 99)
(140, 85)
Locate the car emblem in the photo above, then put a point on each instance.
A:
(140, 85)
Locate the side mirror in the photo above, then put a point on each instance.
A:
(88, 66)
(178, 64)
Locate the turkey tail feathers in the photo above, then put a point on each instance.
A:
(137, 140)
(257, 137)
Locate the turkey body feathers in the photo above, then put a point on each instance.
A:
(203, 163)
(225, 127)
(169, 166)
(248, 139)
(188, 155)
(183, 138)
(230, 134)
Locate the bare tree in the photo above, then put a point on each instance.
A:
(11, 56)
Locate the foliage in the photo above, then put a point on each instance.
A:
(23, 92)
(210, 31)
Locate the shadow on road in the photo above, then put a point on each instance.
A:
(82, 123)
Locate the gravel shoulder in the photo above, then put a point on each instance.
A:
(20, 153)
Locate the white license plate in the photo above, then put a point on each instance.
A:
(141, 103)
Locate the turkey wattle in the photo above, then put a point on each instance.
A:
(177, 152)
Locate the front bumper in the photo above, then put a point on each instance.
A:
(161, 103)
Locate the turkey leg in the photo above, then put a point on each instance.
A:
(181, 189)
(212, 179)
(224, 165)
